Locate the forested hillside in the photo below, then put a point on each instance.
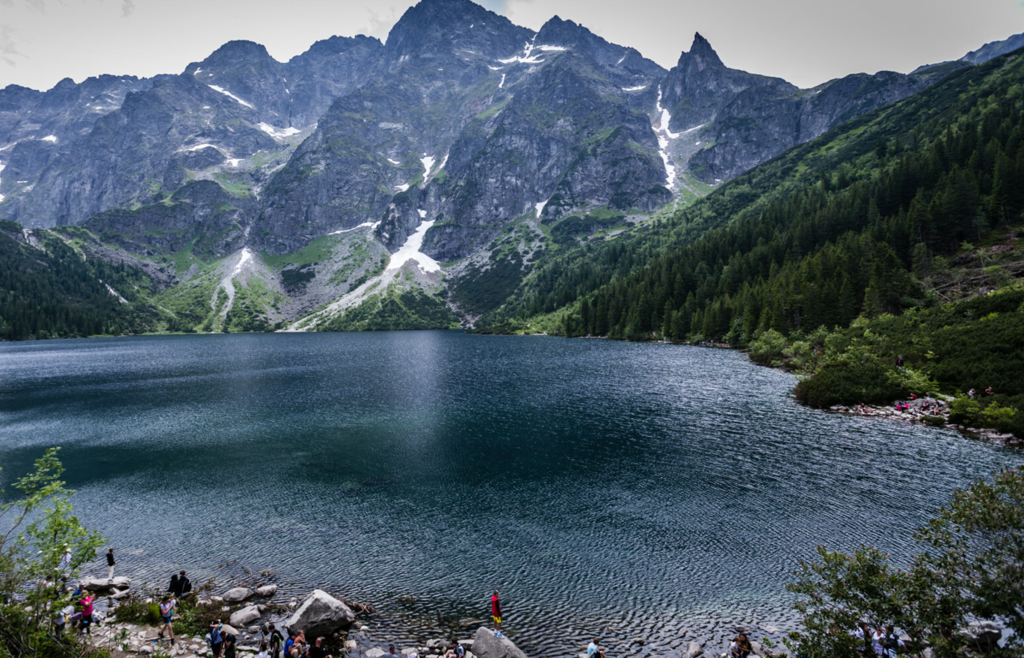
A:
(51, 291)
(912, 207)
(853, 222)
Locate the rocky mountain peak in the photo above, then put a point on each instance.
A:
(335, 46)
(702, 53)
(234, 52)
(437, 29)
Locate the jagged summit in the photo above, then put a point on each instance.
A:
(336, 45)
(235, 51)
(435, 29)
(569, 34)
(702, 51)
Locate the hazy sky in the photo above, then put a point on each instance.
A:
(803, 41)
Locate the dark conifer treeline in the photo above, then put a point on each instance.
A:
(55, 293)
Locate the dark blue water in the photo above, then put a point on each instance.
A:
(649, 489)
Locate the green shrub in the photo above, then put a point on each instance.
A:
(768, 348)
(848, 384)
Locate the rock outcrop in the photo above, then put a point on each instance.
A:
(320, 614)
(104, 584)
(237, 594)
(486, 645)
(245, 615)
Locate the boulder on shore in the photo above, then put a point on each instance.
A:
(105, 584)
(237, 594)
(267, 590)
(486, 645)
(693, 650)
(375, 652)
(982, 635)
(244, 616)
(320, 614)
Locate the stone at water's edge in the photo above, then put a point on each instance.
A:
(375, 652)
(267, 590)
(245, 615)
(237, 594)
(485, 645)
(104, 584)
(320, 614)
(693, 650)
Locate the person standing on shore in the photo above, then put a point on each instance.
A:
(110, 564)
(216, 640)
(87, 611)
(496, 614)
(167, 614)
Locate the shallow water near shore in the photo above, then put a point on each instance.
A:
(655, 490)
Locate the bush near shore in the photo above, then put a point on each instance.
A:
(951, 349)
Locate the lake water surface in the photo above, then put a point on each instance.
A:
(649, 489)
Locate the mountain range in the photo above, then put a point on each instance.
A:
(411, 183)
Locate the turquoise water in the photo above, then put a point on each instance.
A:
(650, 489)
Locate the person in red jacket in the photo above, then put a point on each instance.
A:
(496, 613)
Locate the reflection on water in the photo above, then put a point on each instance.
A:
(650, 489)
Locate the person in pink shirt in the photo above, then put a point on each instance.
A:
(86, 603)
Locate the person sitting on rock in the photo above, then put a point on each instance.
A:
(299, 645)
(173, 587)
(184, 585)
(460, 651)
(740, 647)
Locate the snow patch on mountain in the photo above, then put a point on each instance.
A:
(410, 251)
(277, 133)
(230, 95)
(665, 138)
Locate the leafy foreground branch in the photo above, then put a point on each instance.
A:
(38, 531)
(971, 570)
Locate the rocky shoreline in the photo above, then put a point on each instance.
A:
(933, 418)
(356, 630)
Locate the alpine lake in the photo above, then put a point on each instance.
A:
(607, 489)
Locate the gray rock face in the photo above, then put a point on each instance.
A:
(197, 210)
(693, 650)
(565, 140)
(237, 594)
(267, 590)
(486, 645)
(755, 117)
(320, 614)
(245, 616)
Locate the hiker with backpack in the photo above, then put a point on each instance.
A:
(166, 613)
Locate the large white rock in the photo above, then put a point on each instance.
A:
(267, 590)
(244, 616)
(105, 584)
(486, 645)
(320, 614)
(237, 594)
(375, 652)
(693, 650)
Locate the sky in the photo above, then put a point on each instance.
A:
(804, 41)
